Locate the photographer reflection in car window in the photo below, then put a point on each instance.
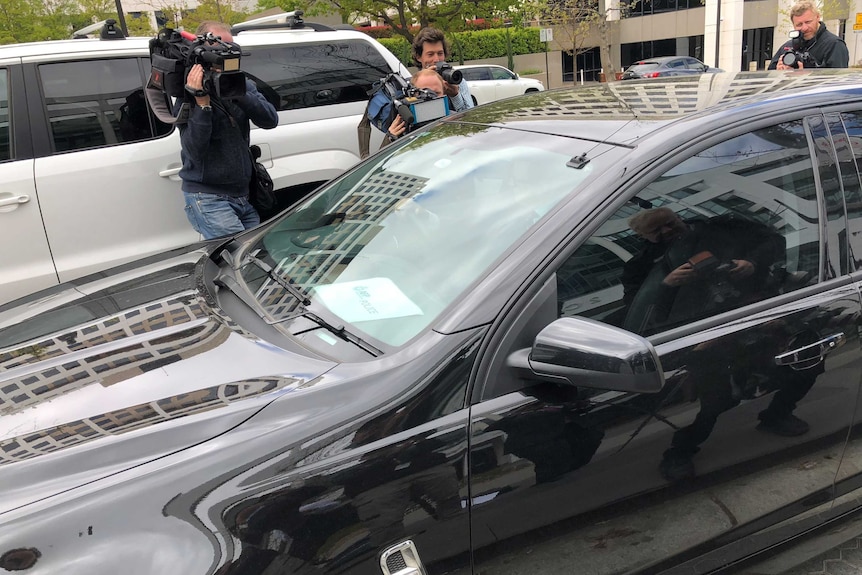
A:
(687, 270)
(811, 45)
(426, 79)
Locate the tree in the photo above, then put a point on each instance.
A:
(405, 17)
(584, 24)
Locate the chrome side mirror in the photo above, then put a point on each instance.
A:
(585, 353)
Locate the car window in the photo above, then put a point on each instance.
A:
(97, 103)
(308, 75)
(5, 133)
(474, 74)
(740, 218)
(501, 74)
(676, 64)
(642, 67)
(850, 158)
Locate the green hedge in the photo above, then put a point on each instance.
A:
(476, 45)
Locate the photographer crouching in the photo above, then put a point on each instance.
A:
(214, 104)
(811, 45)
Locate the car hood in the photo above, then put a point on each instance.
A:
(122, 368)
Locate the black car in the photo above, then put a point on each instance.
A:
(460, 357)
(667, 66)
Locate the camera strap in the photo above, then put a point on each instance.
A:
(157, 100)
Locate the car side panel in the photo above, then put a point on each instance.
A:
(322, 480)
(26, 257)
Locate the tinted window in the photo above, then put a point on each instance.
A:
(97, 103)
(642, 67)
(750, 199)
(474, 74)
(501, 74)
(850, 158)
(5, 134)
(308, 75)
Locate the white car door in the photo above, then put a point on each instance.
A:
(505, 83)
(107, 184)
(25, 258)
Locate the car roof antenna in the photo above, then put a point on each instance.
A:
(578, 162)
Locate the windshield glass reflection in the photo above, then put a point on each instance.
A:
(389, 246)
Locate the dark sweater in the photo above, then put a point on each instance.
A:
(215, 149)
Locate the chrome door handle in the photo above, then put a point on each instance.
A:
(170, 172)
(808, 360)
(14, 200)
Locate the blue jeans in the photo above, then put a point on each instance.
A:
(214, 215)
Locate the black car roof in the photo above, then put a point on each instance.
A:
(623, 112)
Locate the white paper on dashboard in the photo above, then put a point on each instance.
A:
(366, 300)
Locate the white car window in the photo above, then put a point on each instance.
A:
(501, 74)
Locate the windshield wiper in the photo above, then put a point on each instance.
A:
(267, 269)
(338, 331)
(343, 334)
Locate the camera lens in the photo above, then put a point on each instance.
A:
(790, 59)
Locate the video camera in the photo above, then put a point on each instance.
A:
(796, 54)
(416, 106)
(173, 53)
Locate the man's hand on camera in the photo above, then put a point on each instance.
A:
(396, 128)
(743, 269)
(782, 66)
(681, 275)
(195, 85)
(450, 90)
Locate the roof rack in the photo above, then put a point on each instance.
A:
(290, 20)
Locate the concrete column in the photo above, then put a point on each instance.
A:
(710, 29)
(723, 17)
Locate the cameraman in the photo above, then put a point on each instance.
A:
(426, 78)
(430, 47)
(822, 48)
(217, 166)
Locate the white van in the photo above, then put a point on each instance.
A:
(89, 175)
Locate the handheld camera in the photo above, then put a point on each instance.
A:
(796, 53)
(172, 55)
(449, 74)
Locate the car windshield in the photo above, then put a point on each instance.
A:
(388, 246)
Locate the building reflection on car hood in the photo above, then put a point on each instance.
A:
(145, 360)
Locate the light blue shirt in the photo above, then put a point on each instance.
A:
(463, 101)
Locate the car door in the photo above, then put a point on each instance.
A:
(481, 86)
(761, 369)
(105, 168)
(845, 128)
(25, 258)
(505, 83)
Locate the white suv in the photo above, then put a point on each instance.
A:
(90, 176)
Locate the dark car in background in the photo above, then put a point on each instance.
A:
(459, 357)
(667, 66)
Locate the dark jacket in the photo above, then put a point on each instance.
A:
(651, 305)
(215, 145)
(826, 50)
